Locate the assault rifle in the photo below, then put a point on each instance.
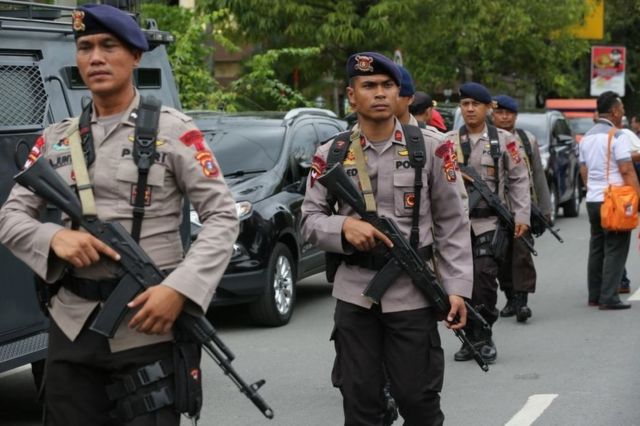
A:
(403, 256)
(140, 272)
(536, 215)
(481, 190)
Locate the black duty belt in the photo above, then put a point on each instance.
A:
(97, 291)
(94, 290)
(480, 212)
(377, 261)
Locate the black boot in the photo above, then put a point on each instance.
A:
(464, 354)
(523, 312)
(486, 346)
(509, 309)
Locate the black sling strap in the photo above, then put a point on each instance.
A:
(416, 148)
(494, 147)
(525, 142)
(144, 151)
(86, 136)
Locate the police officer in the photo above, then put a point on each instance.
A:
(422, 107)
(519, 262)
(82, 365)
(494, 154)
(401, 332)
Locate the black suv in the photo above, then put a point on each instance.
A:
(265, 158)
(558, 151)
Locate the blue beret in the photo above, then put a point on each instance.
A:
(475, 91)
(100, 18)
(370, 63)
(506, 102)
(406, 84)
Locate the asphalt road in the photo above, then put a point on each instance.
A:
(569, 365)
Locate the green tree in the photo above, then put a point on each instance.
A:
(516, 45)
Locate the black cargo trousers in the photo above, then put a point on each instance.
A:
(518, 263)
(77, 374)
(407, 345)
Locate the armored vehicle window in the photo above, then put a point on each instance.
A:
(147, 78)
(23, 99)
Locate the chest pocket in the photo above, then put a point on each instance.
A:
(489, 171)
(404, 193)
(127, 182)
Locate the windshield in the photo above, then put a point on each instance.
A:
(248, 149)
(536, 124)
(581, 125)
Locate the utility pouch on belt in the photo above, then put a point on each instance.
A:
(500, 242)
(188, 378)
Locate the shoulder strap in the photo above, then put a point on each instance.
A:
(494, 144)
(465, 145)
(86, 135)
(416, 148)
(144, 151)
(79, 165)
(610, 135)
(422, 124)
(525, 142)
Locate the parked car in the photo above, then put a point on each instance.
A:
(558, 151)
(265, 158)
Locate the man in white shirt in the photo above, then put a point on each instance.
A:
(607, 250)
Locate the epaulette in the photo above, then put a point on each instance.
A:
(174, 112)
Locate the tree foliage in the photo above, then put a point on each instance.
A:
(515, 45)
(190, 57)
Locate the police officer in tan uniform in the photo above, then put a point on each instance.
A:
(474, 148)
(519, 262)
(401, 332)
(81, 364)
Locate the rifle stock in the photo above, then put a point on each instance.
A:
(404, 256)
(140, 273)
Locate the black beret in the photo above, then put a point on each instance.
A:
(475, 91)
(100, 18)
(421, 101)
(370, 63)
(506, 102)
(406, 84)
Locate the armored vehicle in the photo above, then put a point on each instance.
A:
(40, 85)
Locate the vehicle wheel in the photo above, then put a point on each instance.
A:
(275, 306)
(553, 198)
(572, 207)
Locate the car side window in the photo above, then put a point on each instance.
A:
(327, 130)
(304, 141)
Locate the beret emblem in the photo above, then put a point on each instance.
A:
(78, 16)
(364, 63)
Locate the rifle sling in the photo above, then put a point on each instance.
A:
(79, 165)
(144, 152)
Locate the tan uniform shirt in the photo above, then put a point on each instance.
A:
(537, 179)
(514, 180)
(392, 180)
(183, 166)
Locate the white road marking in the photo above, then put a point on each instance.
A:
(534, 407)
(15, 371)
(635, 296)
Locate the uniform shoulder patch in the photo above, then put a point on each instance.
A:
(514, 151)
(318, 166)
(175, 113)
(447, 152)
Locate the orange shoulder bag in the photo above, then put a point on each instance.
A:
(619, 211)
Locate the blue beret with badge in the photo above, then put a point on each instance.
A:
(371, 63)
(100, 18)
(406, 84)
(506, 102)
(475, 91)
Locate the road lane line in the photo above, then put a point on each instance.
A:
(533, 408)
(635, 296)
